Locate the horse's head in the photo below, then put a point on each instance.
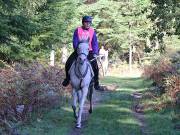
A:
(83, 51)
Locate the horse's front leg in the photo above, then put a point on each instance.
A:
(74, 103)
(81, 105)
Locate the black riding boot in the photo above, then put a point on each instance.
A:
(96, 71)
(67, 79)
(68, 64)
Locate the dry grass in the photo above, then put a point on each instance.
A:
(123, 70)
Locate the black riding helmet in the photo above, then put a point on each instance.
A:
(87, 19)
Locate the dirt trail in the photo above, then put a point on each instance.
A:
(139, 114)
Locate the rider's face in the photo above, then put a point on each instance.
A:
(86, 25)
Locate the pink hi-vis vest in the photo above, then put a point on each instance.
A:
(84, 35)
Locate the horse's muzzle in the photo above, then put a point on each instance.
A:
(82, 60)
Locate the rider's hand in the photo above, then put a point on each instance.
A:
(95, 55)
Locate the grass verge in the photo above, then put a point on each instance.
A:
(51, 122)
(114, 115)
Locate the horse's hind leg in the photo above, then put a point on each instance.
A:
(74, 103)
(81, 105)
(90, 97)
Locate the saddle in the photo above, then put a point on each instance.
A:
(89, 65)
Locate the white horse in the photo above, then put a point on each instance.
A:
(81, 75)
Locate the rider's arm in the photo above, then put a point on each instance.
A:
(95, 45)
(75, 39)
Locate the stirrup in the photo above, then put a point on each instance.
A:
(65, 83)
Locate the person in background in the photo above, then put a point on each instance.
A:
(103, 53)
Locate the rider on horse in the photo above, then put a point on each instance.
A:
(85, 33)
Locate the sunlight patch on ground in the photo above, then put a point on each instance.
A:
(110, 105)
(67, 109)
(122, 89)
(122, 109)
(128, 121)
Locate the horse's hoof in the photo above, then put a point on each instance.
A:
(90, 111)
(78, 126)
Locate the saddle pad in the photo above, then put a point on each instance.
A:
(73, 66)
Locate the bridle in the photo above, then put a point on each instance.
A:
(77, 71)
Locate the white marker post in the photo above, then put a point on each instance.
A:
(52, 54)
(64, 55)
(130, 48)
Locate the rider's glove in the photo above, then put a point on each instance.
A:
(95, 55)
